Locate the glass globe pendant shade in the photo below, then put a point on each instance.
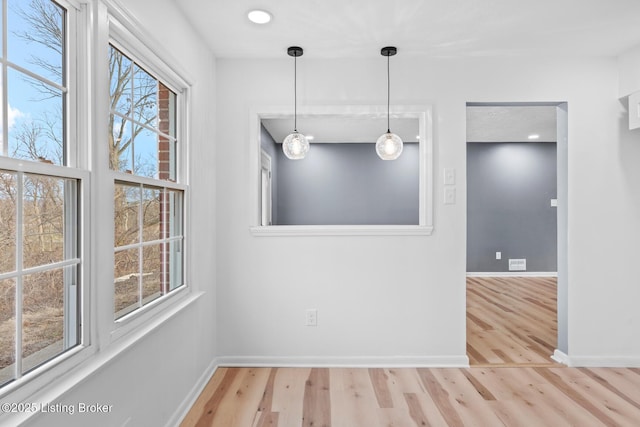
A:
(295, 146)
(389, 146)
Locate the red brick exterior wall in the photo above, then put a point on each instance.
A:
(164, 172)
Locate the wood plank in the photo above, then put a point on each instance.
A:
(203, 411)
(353, 399)
(492, 396)
(415, 410)
(440, 397)
(288, 395)
(316, 409)
(511, 320)
(381, 388)
(555, 380)
(266, 416)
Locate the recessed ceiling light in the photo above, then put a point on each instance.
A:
(310, 137)
(258, 16)
(534, 136)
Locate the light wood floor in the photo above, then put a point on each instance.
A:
(511, 320)
(477, 397)
(511, 332)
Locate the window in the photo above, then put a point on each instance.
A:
(40, 189)
(148, 198)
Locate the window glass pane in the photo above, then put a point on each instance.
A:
(145, 97)
(8, 221)
(126, 203)
(120, 99)
(35, 31)
(43, 220)
(146, 152)
(35, 122)
(42, 317)
(152, 228)
(120, 144)
(7, 329)
(152, 269)
(126, 283)
(175, 212)
(174, 266)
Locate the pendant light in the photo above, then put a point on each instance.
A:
(295, 145)
(389, 145)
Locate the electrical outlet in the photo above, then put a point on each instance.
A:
(311, 318)
(498, 255)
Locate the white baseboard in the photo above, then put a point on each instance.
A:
(513, 274)
(193, 395)
(561, 357)
(348, 362)
(604, 362)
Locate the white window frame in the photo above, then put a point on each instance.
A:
(124, 36)
(77, 168)
(97, 22)
(266, 194)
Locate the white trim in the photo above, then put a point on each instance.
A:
(560, 357)
(192, 396)
(346, 361)
(38, 168)
(604, 361)
(513, 274)
(127, 178)
(340, 230)
(148, 51)
(424, 114)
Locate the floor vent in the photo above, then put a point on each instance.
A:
(517, 264)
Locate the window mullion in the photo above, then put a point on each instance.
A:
(19, 277)
(5, 94)
(140, 247)
(132, 117)
(70, 274)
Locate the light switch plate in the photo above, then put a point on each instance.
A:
(634, 110)
(449, 196)
(449, 176)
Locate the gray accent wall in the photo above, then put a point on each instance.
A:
(347, 184)
(509, 192)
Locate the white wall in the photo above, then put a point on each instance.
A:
(148, 382)
(629, 69)
(416, 309)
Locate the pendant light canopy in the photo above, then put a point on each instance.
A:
(295, 145)
(389, 145)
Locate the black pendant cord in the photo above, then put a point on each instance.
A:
(295, 93)
(388, 95)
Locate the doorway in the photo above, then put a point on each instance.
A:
(516, 229)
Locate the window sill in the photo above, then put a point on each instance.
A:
(341, 230)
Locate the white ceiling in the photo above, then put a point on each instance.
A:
(436, 28)
(511, 123)
(343, 129)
